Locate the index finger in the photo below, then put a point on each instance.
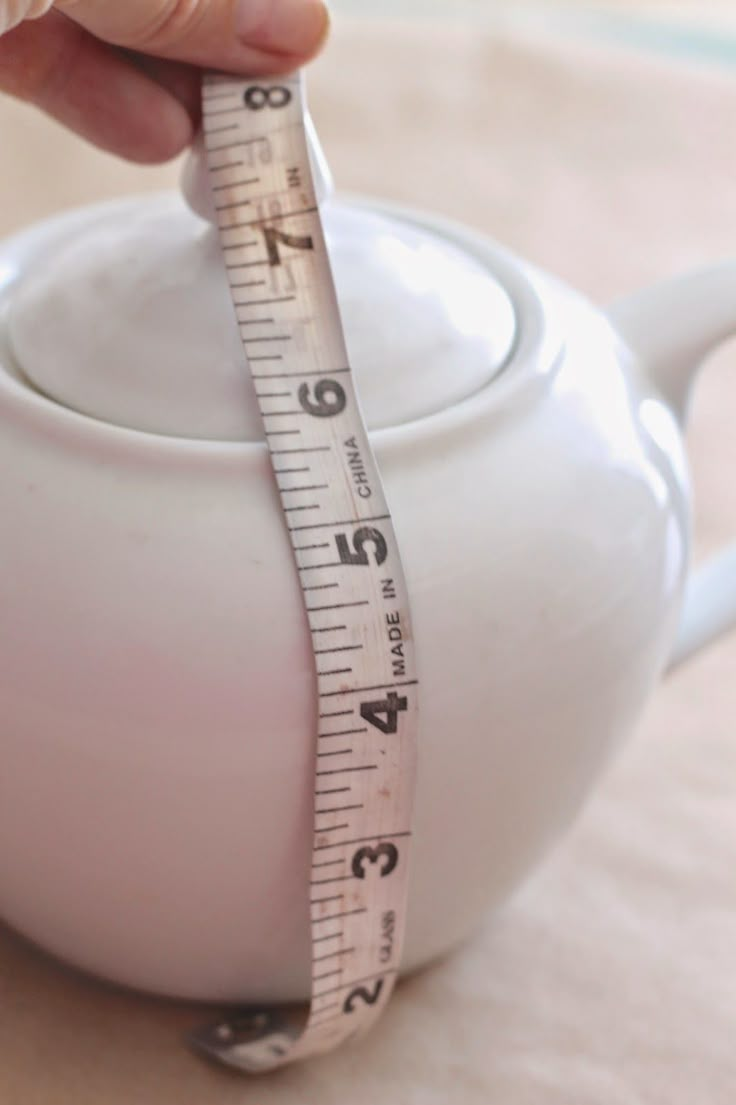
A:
(253, 36)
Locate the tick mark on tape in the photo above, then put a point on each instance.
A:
(234, 183)
(338, 605)
(225, 146)
(362, 840)
(292, 375)
(278, 215)
(221, 130)
(218, 97)
(342, 732)
(315, 567)
(345, 522)
(225, 165)
(237, 203)
(333, 955)
(263, 302)
(329, 936)
(336, 916)
(327, 974)
(220, 110)
(348, 770)
(337, 878)
(305, 487)
(376, 687)
(280, 337)
(280, 452)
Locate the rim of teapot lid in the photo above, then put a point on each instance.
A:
(135, 299)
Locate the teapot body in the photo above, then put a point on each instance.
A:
(157, 678)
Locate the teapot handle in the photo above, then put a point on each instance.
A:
(671, 328)
(710, 607)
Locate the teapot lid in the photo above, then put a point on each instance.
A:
(130, 321)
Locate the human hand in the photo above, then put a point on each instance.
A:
(125, 73)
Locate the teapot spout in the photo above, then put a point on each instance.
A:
(673, 326)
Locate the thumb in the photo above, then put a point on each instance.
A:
(239, 35)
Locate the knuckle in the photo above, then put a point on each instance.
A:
(170, 23)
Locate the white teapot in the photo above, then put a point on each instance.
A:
(157, 678)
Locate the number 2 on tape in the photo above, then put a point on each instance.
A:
(344, 545)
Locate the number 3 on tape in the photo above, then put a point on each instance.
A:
(344, 545)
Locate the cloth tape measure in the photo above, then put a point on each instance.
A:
(348, 562)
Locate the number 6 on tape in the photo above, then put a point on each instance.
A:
(345, 547)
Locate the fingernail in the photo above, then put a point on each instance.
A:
(284, 26)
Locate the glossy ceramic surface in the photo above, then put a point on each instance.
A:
(157, 676)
